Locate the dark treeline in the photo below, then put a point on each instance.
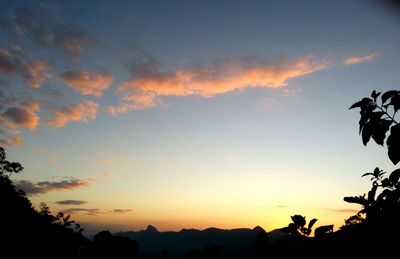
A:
(374, 230)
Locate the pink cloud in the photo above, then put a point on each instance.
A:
(359, 59)
(87, 83)
(149, 80)
(23, 116)
(9, 137)
(33, 73)
(83, 111)
(37, 72)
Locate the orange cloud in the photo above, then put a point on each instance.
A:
(150, 80)
(83, 111)
(360, 59)
(87, 84)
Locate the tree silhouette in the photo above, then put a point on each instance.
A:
(29, 232)
(7, 167)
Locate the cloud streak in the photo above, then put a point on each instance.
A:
(87, 83)
(343, 210)
(70, 202)
(150, 80)
(31, 188)
(121, 211)
(96, 211)
(90, 212)
(352, 60)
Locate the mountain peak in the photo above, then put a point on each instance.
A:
(151, 229)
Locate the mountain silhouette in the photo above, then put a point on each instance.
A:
(233, 243)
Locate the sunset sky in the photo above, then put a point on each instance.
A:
(193, 114)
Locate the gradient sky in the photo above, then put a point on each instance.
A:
(191, 114)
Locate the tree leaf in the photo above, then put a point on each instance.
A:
(375, 95)
(395, 101)
(385, 183)
(379, 131)
(356, 199)
(393, 144)
(299, 220)
(376, 172)
(394, 176)
(366, 133)
(367, 174)
(371, 194)
(356, 104)
(311, 223)
(388, 94)
(383, 194)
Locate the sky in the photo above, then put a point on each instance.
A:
(193, 114)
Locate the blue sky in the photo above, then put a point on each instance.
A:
(184, 113)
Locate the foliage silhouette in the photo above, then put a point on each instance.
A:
(7, 167)
(376, 120)
(297, 227)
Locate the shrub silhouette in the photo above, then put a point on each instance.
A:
(375, 223)
(297, 227)
(382, 201)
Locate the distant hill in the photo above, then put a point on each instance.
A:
(235, 243)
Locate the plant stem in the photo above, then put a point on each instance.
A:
(386, 113)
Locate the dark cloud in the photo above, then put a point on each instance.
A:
(32, 188)
(13, 118)
(9, 62)
(40, 24)
(70, 202)
(33, 72)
